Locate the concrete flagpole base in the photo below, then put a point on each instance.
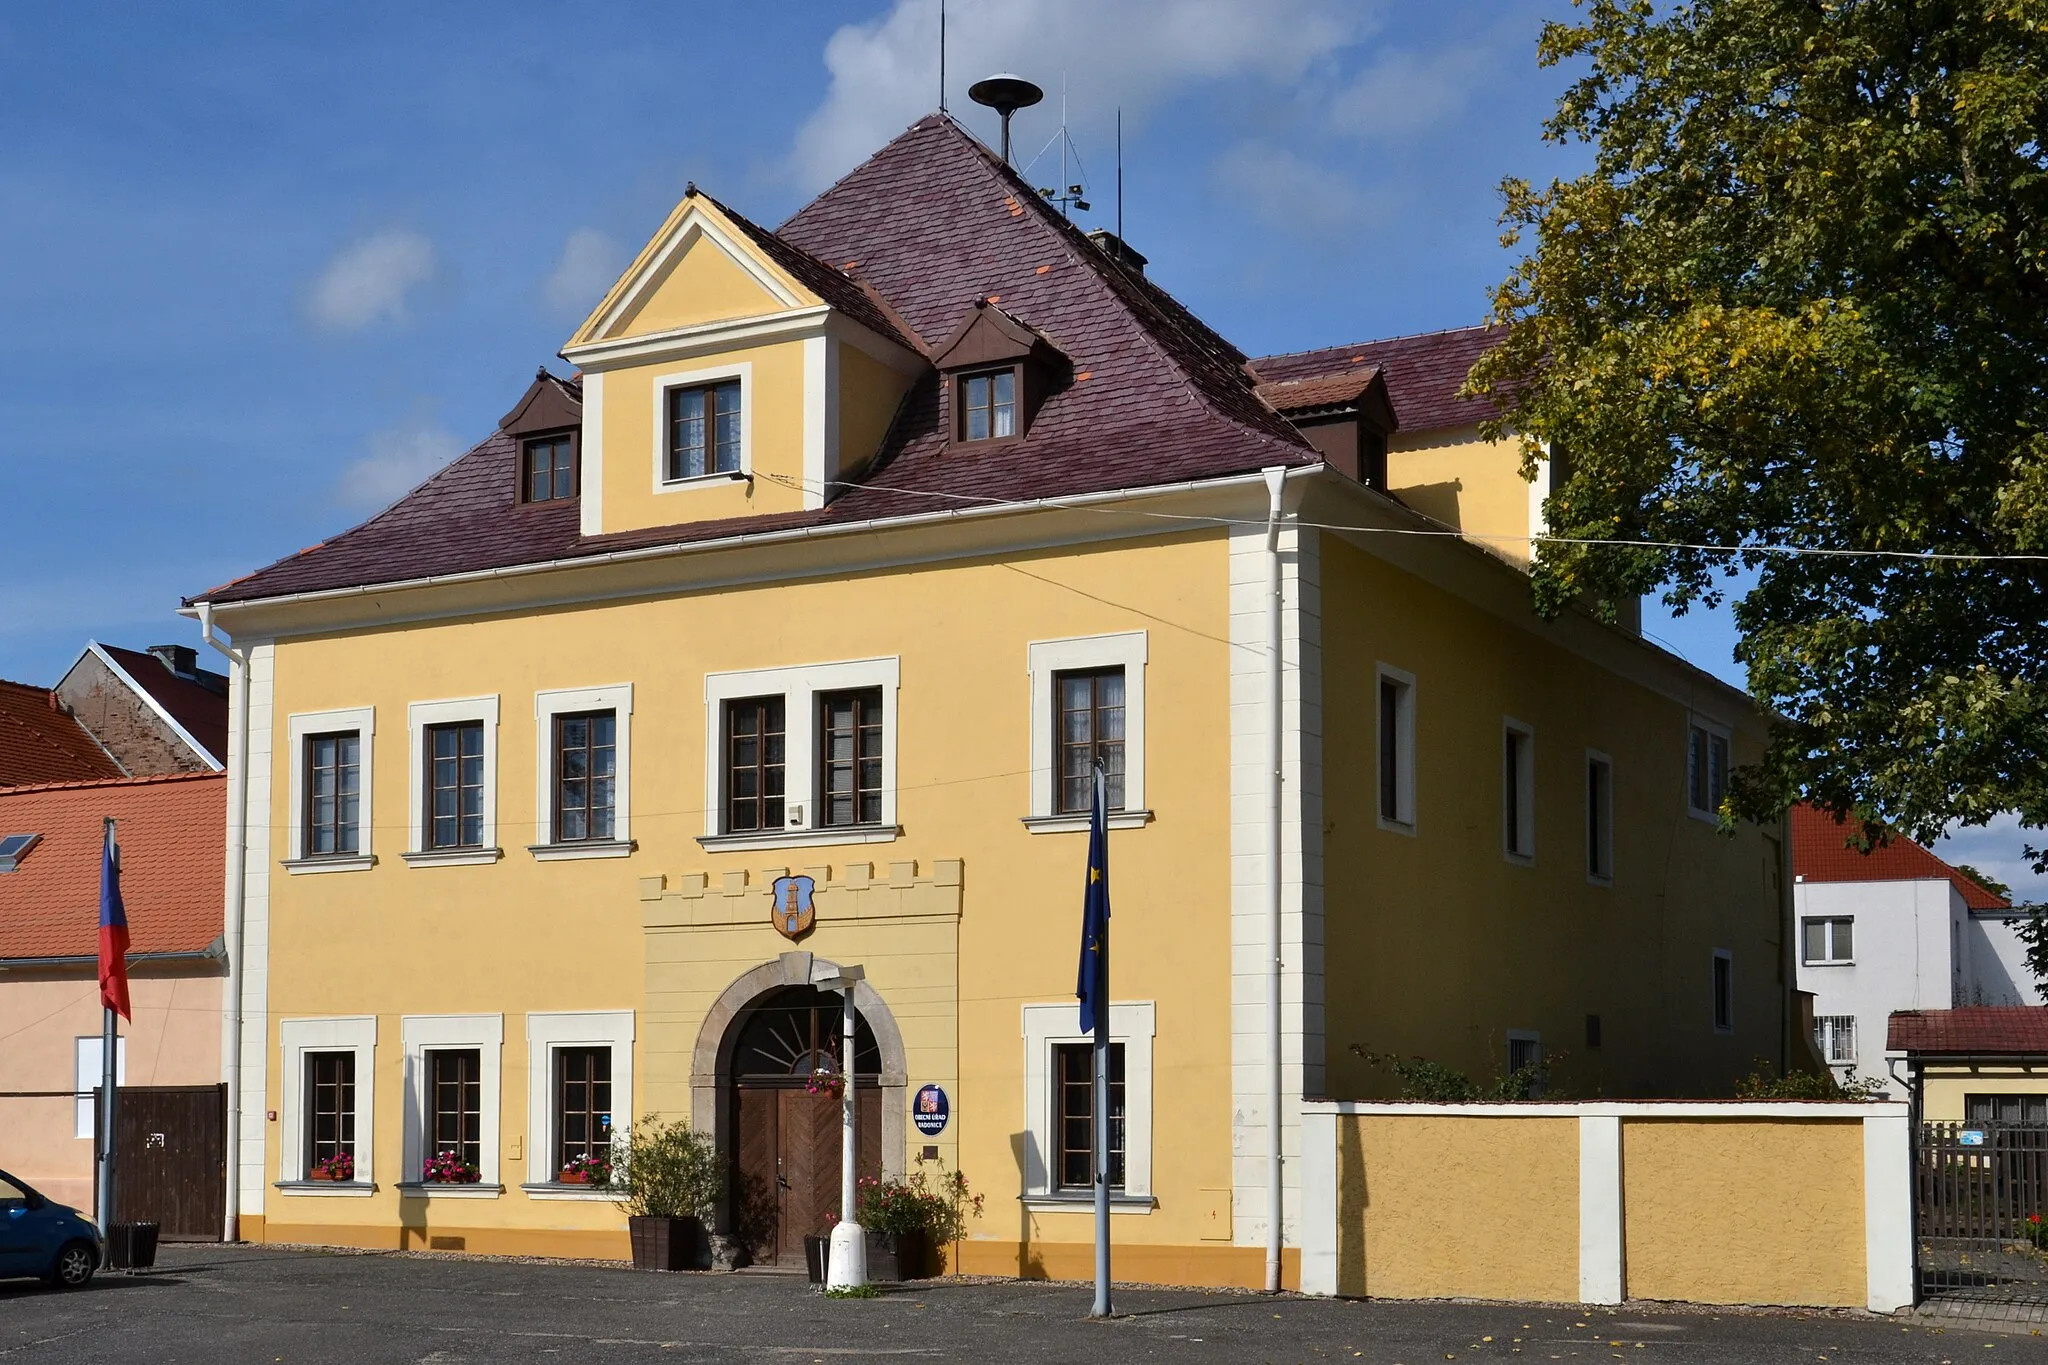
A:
(848, 1268)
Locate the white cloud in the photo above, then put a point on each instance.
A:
(1135, 53)
(1288, 193)
(1405, 92)
(400, 459)
(370, 280)
(590, 263)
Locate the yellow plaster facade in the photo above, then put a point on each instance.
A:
(1945, 1087)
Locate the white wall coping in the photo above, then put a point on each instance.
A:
(1623, 1109)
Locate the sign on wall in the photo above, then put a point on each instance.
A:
(790, 906)
(930, 1110)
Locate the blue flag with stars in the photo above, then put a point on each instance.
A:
(1093, 986)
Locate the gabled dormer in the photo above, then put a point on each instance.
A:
(547, 421)
(1347, 417)
(997, 372)
(730, 374)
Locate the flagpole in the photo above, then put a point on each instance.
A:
(109, 1054)
(1101, 1088)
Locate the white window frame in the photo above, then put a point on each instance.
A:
(618, 699)
(1828, 1030)
(1722, 955)
(296, 1037)
(1524, 805)
(1045, 660)
(419, 716)
(1827, 933)
(89, 1062)
(682, 379)
(799, 686)
(1402, 821)
(545, 1033)
(424, 1033)
(1714, 730)
(300, 727)
(1132, 1024)
(1605, 849)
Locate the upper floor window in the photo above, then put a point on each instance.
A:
(333, 794)
(455, 785)
(1397, 750)
(1518, 790)
(988, 405)
(756, 764)
(1599, 818)
(330, 826)
(1724, 991)
(704, 430)
(1830, 940)
(1090, 730)
(804, 752)
(850, 752)
(1706, 769)
(586, 776)
(548, 467)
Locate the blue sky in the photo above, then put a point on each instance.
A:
(264, 267)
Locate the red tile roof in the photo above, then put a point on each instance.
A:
(928, 225)
(40, 741)
(1424, 373)
(1974, 1031)
(1323, 391)
(199, 708)
(1821, 853)
(171, 831)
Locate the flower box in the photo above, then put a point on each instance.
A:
(573, 1178)
(447, 1168)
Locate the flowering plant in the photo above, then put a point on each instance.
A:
(2036, 1231)
(340, 1166)
(448, 1168)
(827, 1083)
(937, 1208)
(587, 1170)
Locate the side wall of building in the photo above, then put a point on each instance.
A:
(124, 723)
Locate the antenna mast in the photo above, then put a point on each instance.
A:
(1119, 172)
(942, 56)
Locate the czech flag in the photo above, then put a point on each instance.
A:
(113, 931)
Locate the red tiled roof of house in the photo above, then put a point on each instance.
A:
(170, 831)
(40, 741)
(930, 224)
(1820, 853)
(1424, 373)
(1322, 391)
(1973, 1031)
(201, 710)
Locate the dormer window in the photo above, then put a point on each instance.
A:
(988, 405)
(703, 430)
(549, 467)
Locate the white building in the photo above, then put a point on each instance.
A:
(1894, 929)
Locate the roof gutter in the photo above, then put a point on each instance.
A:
(237, 905)
(212, 952)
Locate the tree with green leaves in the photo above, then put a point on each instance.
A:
(1800, 302)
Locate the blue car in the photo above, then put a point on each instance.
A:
(45, 1239)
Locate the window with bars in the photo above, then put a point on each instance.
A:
(850, 757)
(988, 405)
(583, 1103)
(586, 776)
(1090, 726)
(455, 1098)
(549, 468)
(332, 817)
(1829, 940)
(455, 785)
(704, 430)
(330, 1106)
(756, 758)
(1835, 1035)
(1074, 1115)
(1706, 768)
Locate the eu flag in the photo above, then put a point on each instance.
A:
(113, 930)
(1093, 986)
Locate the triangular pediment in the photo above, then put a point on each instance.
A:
(700, 268)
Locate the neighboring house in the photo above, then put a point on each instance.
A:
(171, 882)
(1979, 1064)
(115, 713)
(851, 550)
(1894, 928)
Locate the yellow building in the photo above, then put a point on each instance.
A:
(846, 554)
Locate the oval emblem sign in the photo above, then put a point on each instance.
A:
(930, 1110)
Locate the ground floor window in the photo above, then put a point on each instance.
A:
(2012, 1111)
(583, 1117)
(456, 1093)
(1058, 1081)
(330, 1106)
(1074, 1065)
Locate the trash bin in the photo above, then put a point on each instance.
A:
(817, 1257)
(131, 1246)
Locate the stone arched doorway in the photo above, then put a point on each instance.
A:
(779, 1144)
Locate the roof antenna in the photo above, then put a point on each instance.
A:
(942, 56)
(1005, 94)
(1119, 172)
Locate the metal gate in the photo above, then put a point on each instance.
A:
(171, 1147)
(1980, 1197)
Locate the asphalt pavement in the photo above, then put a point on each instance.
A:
(284, 1307)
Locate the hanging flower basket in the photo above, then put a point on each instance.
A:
(829, 1084)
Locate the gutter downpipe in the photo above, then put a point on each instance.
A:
(231, 991)
(1276, 479)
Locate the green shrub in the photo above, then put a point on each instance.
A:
(937, 1208)
(1760, 1084)
(665, 1170)
(1434, 1083)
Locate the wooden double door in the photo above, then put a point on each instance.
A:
(787, 1163)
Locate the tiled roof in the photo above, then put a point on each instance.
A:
(1424, 373)
(1323, 391)
(42, 742)
(1820, 853)
(170, 831)
(1974, 1031)
(201, 710)
(929, 224)
(833, 286)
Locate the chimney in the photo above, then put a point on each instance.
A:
(1118, 250)
(182, 660)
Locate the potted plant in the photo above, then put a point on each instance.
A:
(585, 1170)
(667, 1178)
(827, 1084)
(340, 1166)
(448, 1168)
(906, 1221)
